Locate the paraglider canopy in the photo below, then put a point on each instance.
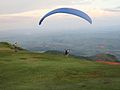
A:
(68, 11)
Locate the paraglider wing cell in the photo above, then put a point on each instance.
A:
(68, 11)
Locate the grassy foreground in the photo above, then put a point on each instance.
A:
(26, 70)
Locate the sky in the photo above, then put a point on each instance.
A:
(25, 14)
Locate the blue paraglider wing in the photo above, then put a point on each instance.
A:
(68, 11)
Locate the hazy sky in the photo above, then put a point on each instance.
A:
(25, 14)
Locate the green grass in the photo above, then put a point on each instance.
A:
(33, 71)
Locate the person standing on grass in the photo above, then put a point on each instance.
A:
(15, 47)
(67, 52)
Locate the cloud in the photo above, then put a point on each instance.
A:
(118, 7)
(111, 10)
(115, 9)
(83, 2)
(16, 6)
(41, 12)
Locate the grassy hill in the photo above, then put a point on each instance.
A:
(105, 57)
(26, 70)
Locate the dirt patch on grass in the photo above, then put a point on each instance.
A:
(110, 63)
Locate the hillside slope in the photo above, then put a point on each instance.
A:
(26, 70)
(105, 57)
